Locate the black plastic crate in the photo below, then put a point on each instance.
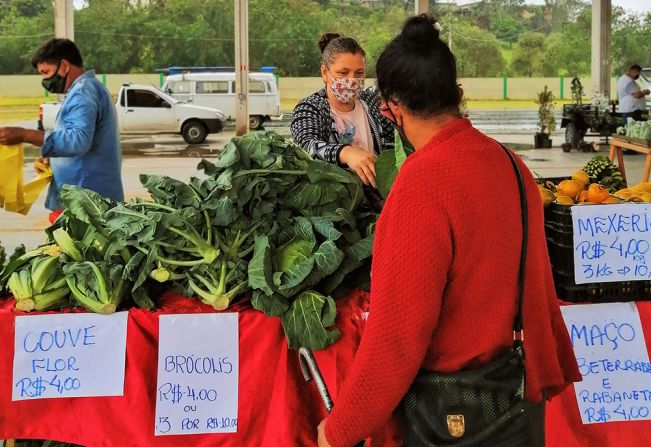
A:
(559, 232)
(561, 256)
(559, 215)
(604, 292)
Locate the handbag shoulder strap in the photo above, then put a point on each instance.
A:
(518, 326)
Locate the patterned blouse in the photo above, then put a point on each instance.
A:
(314, 129)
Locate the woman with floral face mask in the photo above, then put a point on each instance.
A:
(342, 123)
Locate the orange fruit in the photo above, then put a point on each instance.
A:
(546, 195)
(583, 197)
(597, 193)
(624, 193)
(642, 187)
(564, 200)
(569, 188)
(611, 199)
(581, 177)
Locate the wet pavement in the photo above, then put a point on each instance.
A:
(170, 155)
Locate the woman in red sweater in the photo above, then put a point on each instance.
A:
(446, 254)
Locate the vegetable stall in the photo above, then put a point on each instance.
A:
(265, 231)
(597, 230)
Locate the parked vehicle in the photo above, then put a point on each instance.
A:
(597, 118)
(206, 87)
(587, 120)
(144, 109)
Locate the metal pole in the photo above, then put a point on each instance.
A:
(422, 6)
(241, 67)
(601, 32)
(64, 19)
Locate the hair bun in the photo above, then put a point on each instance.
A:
(325, 39)
(422, 30)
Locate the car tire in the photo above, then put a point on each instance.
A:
(256, 122)
(194, 132)
(572, 135)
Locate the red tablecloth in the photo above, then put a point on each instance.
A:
(276, 406)
(564, 426)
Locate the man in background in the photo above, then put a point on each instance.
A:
(84, 147)
(632, 100)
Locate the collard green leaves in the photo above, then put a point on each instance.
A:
(307, 321)
(265, 221)
(389, 162)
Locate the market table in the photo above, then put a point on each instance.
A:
(564, 426)
(276, 406)
(617, 144)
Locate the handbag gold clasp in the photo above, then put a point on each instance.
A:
(456, 425)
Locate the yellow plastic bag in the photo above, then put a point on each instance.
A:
(15, 195)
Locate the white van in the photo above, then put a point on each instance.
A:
(217, 89)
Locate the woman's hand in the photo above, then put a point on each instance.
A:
(361, 161)
(323, 442)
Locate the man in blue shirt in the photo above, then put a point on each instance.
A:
(84, 147)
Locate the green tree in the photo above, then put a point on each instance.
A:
(631, 41)
(563, 59)
(23, 34)
(477, 52)
(507, 28)
(528, 54)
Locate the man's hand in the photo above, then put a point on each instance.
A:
(361, 161)
(41, 164)
(323, 442)
(646, 91)
(12, 135)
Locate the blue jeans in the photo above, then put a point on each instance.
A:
(636, 115)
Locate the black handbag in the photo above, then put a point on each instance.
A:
(478, 407)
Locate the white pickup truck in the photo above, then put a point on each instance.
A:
(144, 109)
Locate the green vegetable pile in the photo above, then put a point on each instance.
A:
(265, 222)
(389, 162)
(639, 129)
(602, 170)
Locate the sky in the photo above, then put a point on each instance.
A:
(629, 5)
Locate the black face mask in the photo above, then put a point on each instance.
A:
(55, 83)
(637, 76)
(393, 120)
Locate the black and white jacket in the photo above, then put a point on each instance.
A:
(314, 129)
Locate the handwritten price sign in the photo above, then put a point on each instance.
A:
(612, 242)
(611, 353)
(197, 387)
(69, 355)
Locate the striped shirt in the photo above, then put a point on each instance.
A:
(314, 128)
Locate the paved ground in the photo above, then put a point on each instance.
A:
(169, 155)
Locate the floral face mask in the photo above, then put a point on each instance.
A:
(347, 90)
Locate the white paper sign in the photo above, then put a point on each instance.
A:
(611, 353)
(198, 370)
(612, 242)
(69, 355)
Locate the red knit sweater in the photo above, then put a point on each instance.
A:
(444, 282)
